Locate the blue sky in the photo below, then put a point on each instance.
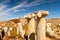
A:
(10, 9)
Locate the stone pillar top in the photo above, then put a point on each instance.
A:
(34, 15)
(44, 12)
(38, 13)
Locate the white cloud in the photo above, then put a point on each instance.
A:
(37, 2)
(24, 4)
(2, 7)
(16, 10)
(34, 3)
(5, 16)
(6, 13)
(16, 7)
(19, 10)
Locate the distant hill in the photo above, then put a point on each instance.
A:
(14, 20)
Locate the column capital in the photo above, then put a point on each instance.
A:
(42, 13)
(38, 13)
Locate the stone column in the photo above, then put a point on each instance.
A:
(18, 30)
(9, 31)
(5, 30)
(41, 30)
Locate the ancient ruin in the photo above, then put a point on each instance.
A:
(32, 26)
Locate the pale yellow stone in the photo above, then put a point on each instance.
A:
(34, 15)
(29, 15)
(23, 20)
(22, 32)
(49, 30)
(25, 16)
(41, 29)
(32, 26)
(39, 14)
(44, 12)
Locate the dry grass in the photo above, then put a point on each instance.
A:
(54, 22)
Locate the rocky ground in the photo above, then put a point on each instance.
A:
(13, 39)
(23, 39)
(8, 38)
(47, 38)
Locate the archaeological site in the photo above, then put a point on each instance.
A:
(33, 26)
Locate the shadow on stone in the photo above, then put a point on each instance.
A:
(32, 36)
(26, 37)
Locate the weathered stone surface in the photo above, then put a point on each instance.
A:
(30, 23)
(45, 13)
(39, 14)
(32, 29)
(41, 29)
